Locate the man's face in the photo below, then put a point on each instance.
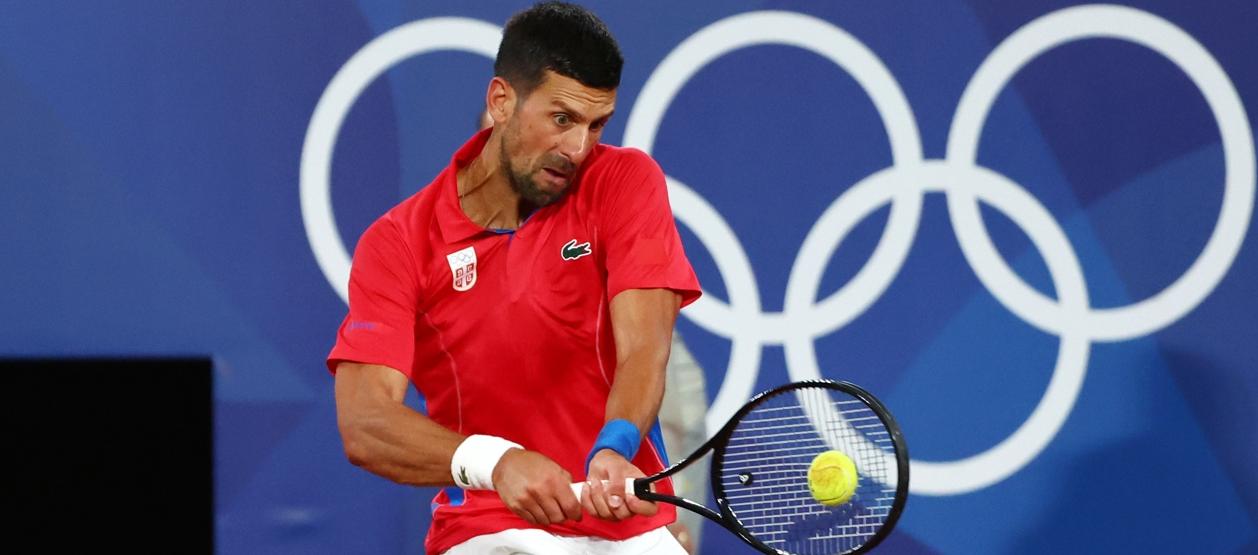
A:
(549, 134)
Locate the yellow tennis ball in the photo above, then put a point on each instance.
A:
(832, 478)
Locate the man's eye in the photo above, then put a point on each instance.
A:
(562, 120)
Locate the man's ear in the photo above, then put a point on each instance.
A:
(500, 100)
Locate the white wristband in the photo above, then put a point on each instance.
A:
(474, 460)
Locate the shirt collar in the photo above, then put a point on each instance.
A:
(455, 225)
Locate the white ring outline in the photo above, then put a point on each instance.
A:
(382, 53)
(932, 478)
(1186, 292)
(1018, 449)
(1037, 431)
(742, 320)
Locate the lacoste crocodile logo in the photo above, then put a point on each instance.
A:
(572, 251)
(463, 476)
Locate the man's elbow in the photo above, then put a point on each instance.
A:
(355, 439)
(357, 453)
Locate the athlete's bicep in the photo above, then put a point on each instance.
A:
(359, 384)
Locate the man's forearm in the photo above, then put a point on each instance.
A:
(402, 445)
(642, 322)
(383, 435)
(638, 389)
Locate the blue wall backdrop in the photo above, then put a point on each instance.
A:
(1025, 225)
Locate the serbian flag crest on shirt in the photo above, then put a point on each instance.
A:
(463, 268)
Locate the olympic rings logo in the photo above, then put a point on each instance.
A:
(805, 318)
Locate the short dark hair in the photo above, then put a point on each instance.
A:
(561, 37)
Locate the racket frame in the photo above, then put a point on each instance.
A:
(716, 444)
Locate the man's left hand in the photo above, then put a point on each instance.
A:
(611, 501)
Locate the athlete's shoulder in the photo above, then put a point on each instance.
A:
(615, 168)
(622, 158)
(409, 225)
(419, 209)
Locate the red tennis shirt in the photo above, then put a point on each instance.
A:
(508, 333)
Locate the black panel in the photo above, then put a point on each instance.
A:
(110, 453)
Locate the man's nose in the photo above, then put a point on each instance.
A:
(576, 143)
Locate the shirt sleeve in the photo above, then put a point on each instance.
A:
(640, 240)
(380, 326)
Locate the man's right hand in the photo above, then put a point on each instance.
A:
(535, 488)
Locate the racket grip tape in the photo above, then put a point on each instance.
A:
(578, 487)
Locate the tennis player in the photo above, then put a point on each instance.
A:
(682, 419)
(529, 293)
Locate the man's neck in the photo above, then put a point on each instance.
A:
(485, 192)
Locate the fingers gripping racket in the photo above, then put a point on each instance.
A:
(781, 442)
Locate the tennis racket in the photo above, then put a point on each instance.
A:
(760, 462)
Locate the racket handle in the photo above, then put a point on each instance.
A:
(577, 487)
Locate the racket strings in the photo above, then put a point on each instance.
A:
(764, 471)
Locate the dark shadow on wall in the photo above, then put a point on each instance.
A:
(1144, 495)
(1225, 404)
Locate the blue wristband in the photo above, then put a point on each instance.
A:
(619, 435)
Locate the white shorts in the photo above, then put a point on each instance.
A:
(539, 542)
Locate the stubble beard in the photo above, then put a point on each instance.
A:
(522, 182)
